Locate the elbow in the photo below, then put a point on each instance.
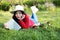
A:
(25, 27)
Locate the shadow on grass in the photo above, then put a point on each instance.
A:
(58, 30)
(1, 25)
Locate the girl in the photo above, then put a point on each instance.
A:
(20, 20)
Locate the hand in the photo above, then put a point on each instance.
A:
(23, 16)
(5, 25)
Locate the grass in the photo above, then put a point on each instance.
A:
(51, 33)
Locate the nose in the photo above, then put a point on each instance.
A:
(18, 14)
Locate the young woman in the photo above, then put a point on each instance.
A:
(20, 20)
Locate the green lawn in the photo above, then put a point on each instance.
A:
(51, 33)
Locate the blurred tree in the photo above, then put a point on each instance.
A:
(0, 0)
(21, 2)
(35, 2)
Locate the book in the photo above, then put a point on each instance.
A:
(13, 25)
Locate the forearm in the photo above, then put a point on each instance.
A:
(23, 25)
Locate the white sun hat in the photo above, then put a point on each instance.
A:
(19, 7)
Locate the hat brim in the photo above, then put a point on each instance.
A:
(14, 11)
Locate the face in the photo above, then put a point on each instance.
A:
(18, 15)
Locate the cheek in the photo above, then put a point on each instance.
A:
(18, 15)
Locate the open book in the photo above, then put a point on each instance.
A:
(13, 25)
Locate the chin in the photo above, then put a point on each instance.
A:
(18, 18)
